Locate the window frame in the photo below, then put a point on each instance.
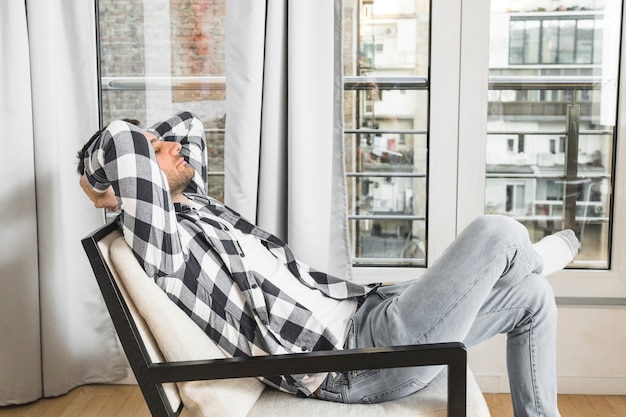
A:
(445, 33)
(458, 81)
(599, 287)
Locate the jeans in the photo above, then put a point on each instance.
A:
(485, 283)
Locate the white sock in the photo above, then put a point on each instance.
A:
(557, 250)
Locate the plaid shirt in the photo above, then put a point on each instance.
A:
(195, 259)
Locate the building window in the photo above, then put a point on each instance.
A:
(550, 39)
(515, 198)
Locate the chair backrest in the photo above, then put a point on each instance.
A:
(153, 329)
(137, 341)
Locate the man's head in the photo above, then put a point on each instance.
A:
(168, 156)
(172, 163)
(80, 168)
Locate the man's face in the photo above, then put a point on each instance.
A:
(172, 163)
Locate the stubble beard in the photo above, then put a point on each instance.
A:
(179, 182)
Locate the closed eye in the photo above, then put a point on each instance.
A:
(154, 143)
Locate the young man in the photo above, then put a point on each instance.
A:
(246, 290)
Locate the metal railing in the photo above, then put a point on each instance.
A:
(571, 177)
(163, 83)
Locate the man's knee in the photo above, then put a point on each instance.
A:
(539, 295)
(498, 226)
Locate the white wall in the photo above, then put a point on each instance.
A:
(591, 354)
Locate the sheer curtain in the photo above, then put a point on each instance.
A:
(284, 153)
(55, 332)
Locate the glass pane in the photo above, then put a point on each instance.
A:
(387, 195)
(584, 42)
(386, 64)
(386, 150)
(551, 126)
(549, 41)
(567, 39)
(148, 73)
(598, 37)
(531, 42)
(516, 43)
(388, 242)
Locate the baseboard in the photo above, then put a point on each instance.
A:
(566, 385)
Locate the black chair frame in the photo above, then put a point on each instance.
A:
(150, 376)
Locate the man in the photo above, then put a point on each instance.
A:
(246, 290)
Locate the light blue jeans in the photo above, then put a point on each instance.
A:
(485, 283)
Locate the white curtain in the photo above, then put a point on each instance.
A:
(55, 332)
(284, 153)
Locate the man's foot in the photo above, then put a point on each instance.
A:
(557, 250)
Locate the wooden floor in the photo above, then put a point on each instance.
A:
(126, 401)
(86, 401)
(569, 405)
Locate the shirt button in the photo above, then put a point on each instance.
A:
(264, 322)
(254, 286)
(304, 348)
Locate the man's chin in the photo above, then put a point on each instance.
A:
(178, 184)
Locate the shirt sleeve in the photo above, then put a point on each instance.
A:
(188, 130)
(123, 158)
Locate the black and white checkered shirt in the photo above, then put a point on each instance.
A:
(192, 255)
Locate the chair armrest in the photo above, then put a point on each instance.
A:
(452, 354)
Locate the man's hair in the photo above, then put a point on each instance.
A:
(80, 169)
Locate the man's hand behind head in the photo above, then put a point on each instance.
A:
(104, 199)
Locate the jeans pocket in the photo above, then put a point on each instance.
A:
(351, 337)
(333, 388)
(394, 393)
(322, 394)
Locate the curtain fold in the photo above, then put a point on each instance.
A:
(52, 316)
(284, 152)
(20, 364)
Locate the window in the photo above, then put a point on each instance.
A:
(562, 108)
(552, 38)
(148, 73)
(386, 130)
(412, 132)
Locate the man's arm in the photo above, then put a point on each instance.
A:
(188, 130)
(123, 158)
(106, 199)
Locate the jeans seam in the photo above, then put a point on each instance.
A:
(533, 365)
(531, 336)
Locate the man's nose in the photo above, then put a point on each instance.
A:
(174, 148)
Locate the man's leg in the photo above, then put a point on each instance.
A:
(493, 252)
(527, 313)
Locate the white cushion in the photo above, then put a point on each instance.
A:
(180, 339)
(171, 391)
